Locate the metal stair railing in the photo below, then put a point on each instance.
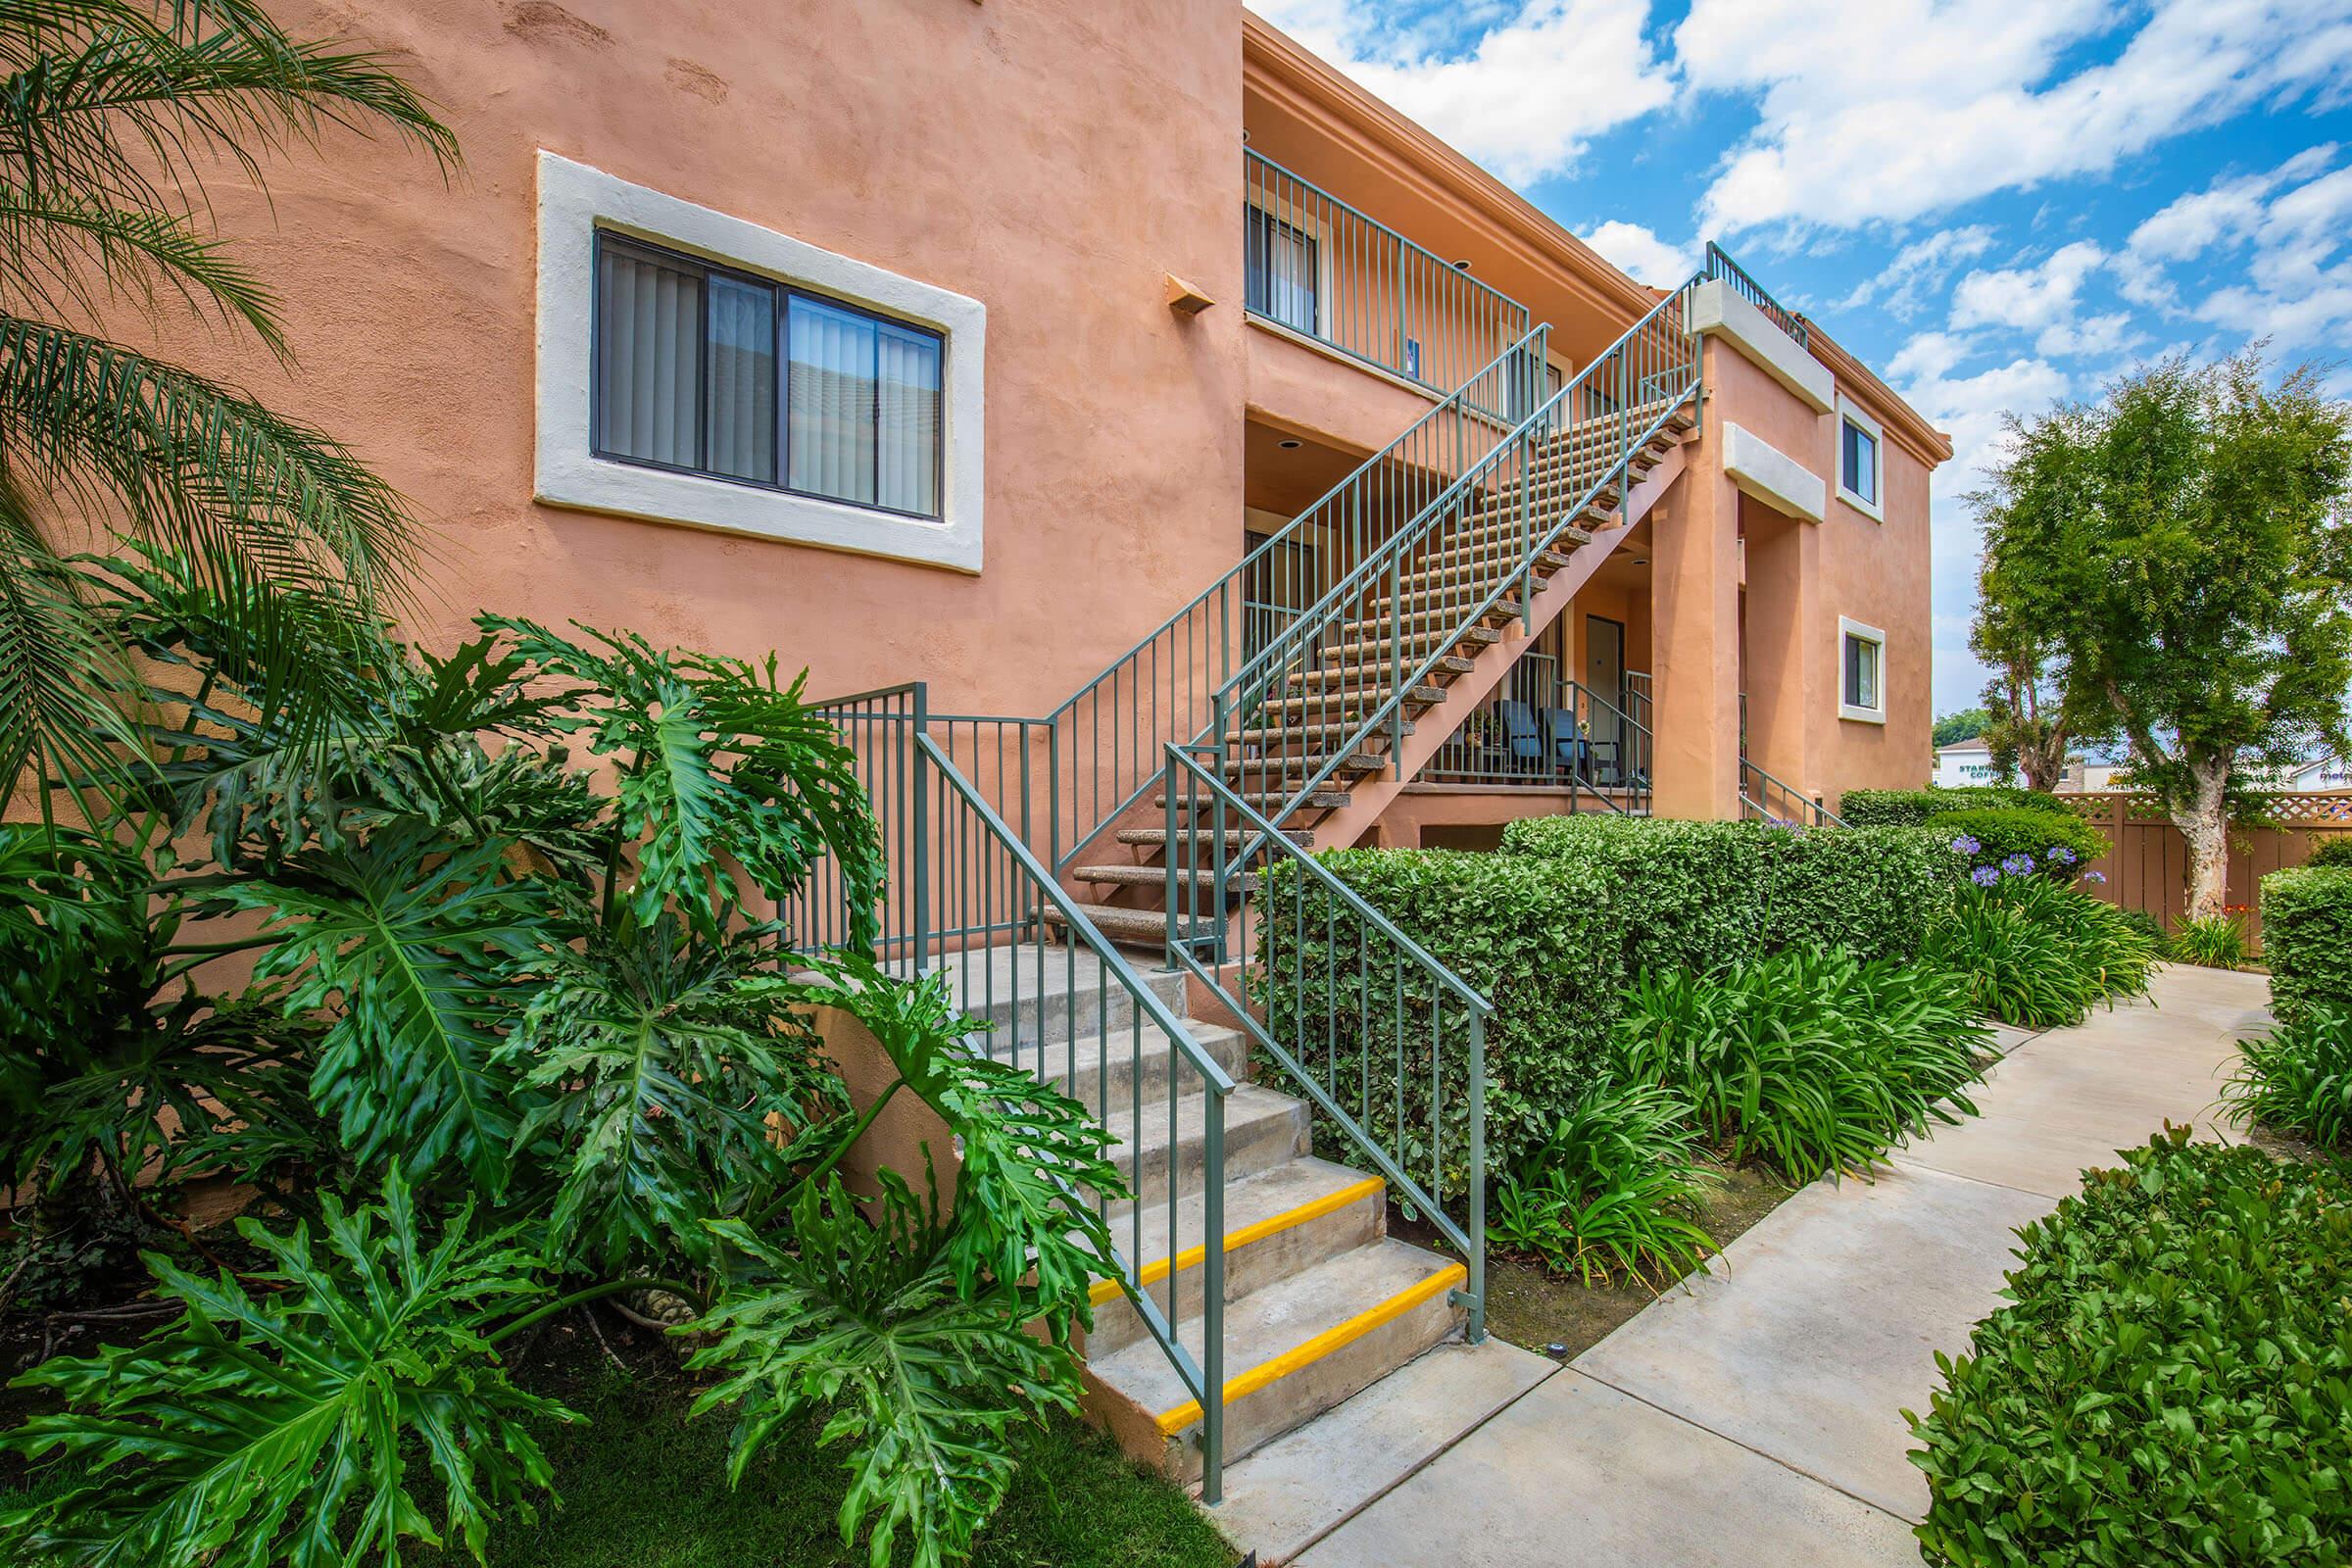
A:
(1104, 744)
(1766, 799)
(968, 897)
(1462, 557)
(1397, 1028)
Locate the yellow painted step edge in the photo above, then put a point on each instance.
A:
(1272, 1225)
(1321, 1345)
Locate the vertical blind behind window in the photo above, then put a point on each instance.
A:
(688, 377)
(1861, 672)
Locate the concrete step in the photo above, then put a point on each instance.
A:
(1277, 1223)
(1150, 877)
(1369, 677)
(1305, 734)
(1446, 602)
(1294, 1348)
(1264, 766)
(1135, 928)
(1417, 647)
(1037, 992)
(1316, 703)
(1164, 1150)
(1325, 799)
(1122, 1068)
(1157, 838)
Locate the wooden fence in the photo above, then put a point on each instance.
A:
(2146, 865)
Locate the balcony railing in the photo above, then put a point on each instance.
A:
(1541, 731)
(1317, 266)
(1721, 266)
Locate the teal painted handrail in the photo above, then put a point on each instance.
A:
(1765, 799)
(1199, 884)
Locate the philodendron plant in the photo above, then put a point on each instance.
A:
(515, 1037)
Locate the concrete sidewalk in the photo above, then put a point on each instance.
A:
(1756, 1417)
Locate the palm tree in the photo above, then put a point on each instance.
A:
(110, 110)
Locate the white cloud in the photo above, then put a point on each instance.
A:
(1882, 110)
(1524, 100)
(1917, 267)
(2031, 298)
(2097, 335)
(2272, 241)
(1642, 254)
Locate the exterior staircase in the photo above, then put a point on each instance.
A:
(1311, 748)
(1319, 1301)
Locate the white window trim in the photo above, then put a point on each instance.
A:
(1875, 511)
(1870, 634)
(574, 202)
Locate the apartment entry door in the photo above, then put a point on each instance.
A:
(1605, 679)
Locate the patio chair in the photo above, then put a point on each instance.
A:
(1575, 753)
(1522, 742)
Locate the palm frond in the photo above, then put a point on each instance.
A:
(70, 252)
(60, 674)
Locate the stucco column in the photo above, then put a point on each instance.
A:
(1695, 650)
(1786, 659)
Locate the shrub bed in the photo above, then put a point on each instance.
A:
(2298, 1078)
(2033, 954)
(2016, 839)
(2173, 1384)
(1912, 808)
(1551, 932)
(2307, 938)
(1810, 1057)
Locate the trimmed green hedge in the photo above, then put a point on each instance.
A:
(2307, 937)
(2331, 849)
(2173, 1383)
(1551, 931)
(1703, 895)
(2002, 832)
(1912, 808)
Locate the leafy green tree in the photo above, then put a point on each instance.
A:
(519, 1037)
(2027, 729)
(111, 113)
(1965, 725)
(2181, 552)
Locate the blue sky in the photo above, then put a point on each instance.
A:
(1997, 204)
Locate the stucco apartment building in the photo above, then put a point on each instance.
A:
(1118, 366)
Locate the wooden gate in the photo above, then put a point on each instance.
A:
(2147, 862)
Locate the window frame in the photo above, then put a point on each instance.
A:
(1310, 228)
(1851, 630)
(784, 293)
(1874, 505)
(576, 203)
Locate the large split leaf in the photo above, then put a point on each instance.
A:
(287, 1423)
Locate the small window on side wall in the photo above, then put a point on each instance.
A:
(1861, 460)
(1862, 672)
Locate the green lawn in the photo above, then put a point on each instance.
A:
(645, 1488)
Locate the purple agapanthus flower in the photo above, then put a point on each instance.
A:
(1964, 844)
(1985, 876)
(2094, 876)
(2062, 855)
(2017, 865)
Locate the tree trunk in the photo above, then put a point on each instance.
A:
(2204, 822)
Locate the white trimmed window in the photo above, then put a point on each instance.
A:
(698, 369)
(1861, 672)
(1861, 460)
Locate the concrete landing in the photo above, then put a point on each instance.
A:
(1756, 1417)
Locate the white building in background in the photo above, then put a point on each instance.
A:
(1964, 762)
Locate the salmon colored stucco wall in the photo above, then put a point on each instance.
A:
(1053, 158)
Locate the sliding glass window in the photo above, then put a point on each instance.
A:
(712, 371)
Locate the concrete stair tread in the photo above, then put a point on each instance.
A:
(1254, 1201)
(1298, 734)
(1279, 1319)
(1138, 927)
(1157, 836)
(1101, 1071)
(1131, 875)
(1033, 991)
(1321, 799)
